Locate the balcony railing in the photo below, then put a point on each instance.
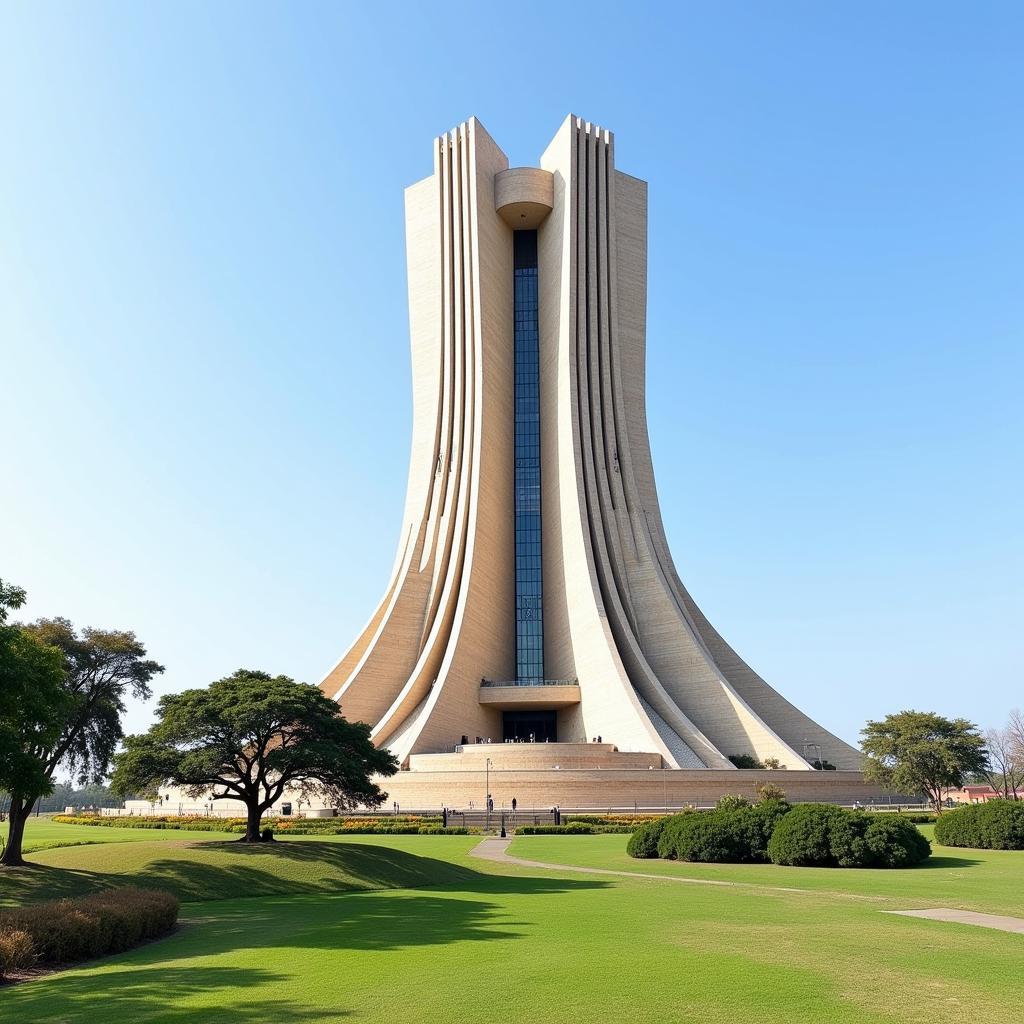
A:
(529, 682)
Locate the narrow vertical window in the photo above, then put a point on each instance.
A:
(529, 598)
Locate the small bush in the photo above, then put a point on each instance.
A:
(745, 761)
(803, 837)
(710, 838)
(643, 843)
(895, 842)
(769, 791)
(704, 836)
(734, 833)
(754, 827)
(731, 802)
(16, 952)
(62, 931)
(995, 825)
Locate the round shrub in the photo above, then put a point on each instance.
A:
(709, 837)
(995, 825)
(823, 835)
(755, 826)
(669, 833)
(894, 842)
(803, 837)
(643, 843)
(734, 833)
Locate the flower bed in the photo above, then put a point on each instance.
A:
(193, 823)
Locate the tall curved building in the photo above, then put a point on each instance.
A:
(533, 596)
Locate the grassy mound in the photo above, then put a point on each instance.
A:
(196, 872)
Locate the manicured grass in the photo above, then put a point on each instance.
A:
(44, 834)
(214, 869)
(489, 942)
(991, 881)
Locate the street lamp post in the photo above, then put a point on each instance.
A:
(487, 788)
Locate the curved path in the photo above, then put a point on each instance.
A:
(497, 850)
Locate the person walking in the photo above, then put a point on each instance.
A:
(513, 805)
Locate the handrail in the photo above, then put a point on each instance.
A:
(529, 682)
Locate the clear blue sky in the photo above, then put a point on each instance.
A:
(205, 373)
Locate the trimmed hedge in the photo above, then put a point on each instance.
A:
(994, 825)
(643, 843)
(824, 835)
(196, 823)
(359, 825)
(63, 931)
(633, 821)
(809, 835)
(406, 825)
(574, 828)
(733, 833)
(917, 817)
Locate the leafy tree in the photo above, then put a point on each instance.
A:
(32, 705)
(64, 794)
(1004, 770)
(922, 752)
(100, 669)
(250, 737)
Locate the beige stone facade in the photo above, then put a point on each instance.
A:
(627, 654)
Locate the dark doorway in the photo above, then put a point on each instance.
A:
(542, 726)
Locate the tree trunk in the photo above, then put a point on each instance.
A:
(252, 822)
(16, 832)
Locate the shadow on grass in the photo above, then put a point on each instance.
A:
(946, 862)
(297, 945)
(226, 871)
(169, 995)
(217, 871)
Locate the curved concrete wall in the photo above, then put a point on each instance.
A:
(653, 675)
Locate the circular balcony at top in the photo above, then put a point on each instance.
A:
(523, 196)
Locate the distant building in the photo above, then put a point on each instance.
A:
(978, 794)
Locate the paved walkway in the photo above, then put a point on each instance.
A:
(496, 850)
(1003, 924)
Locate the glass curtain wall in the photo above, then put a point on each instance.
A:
(529, 597)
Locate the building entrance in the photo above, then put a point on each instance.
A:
(524, 726)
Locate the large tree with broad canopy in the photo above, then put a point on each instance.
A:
(252, 737)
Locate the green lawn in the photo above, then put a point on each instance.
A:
(43, 834)
(435, 936)
(991, 881)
